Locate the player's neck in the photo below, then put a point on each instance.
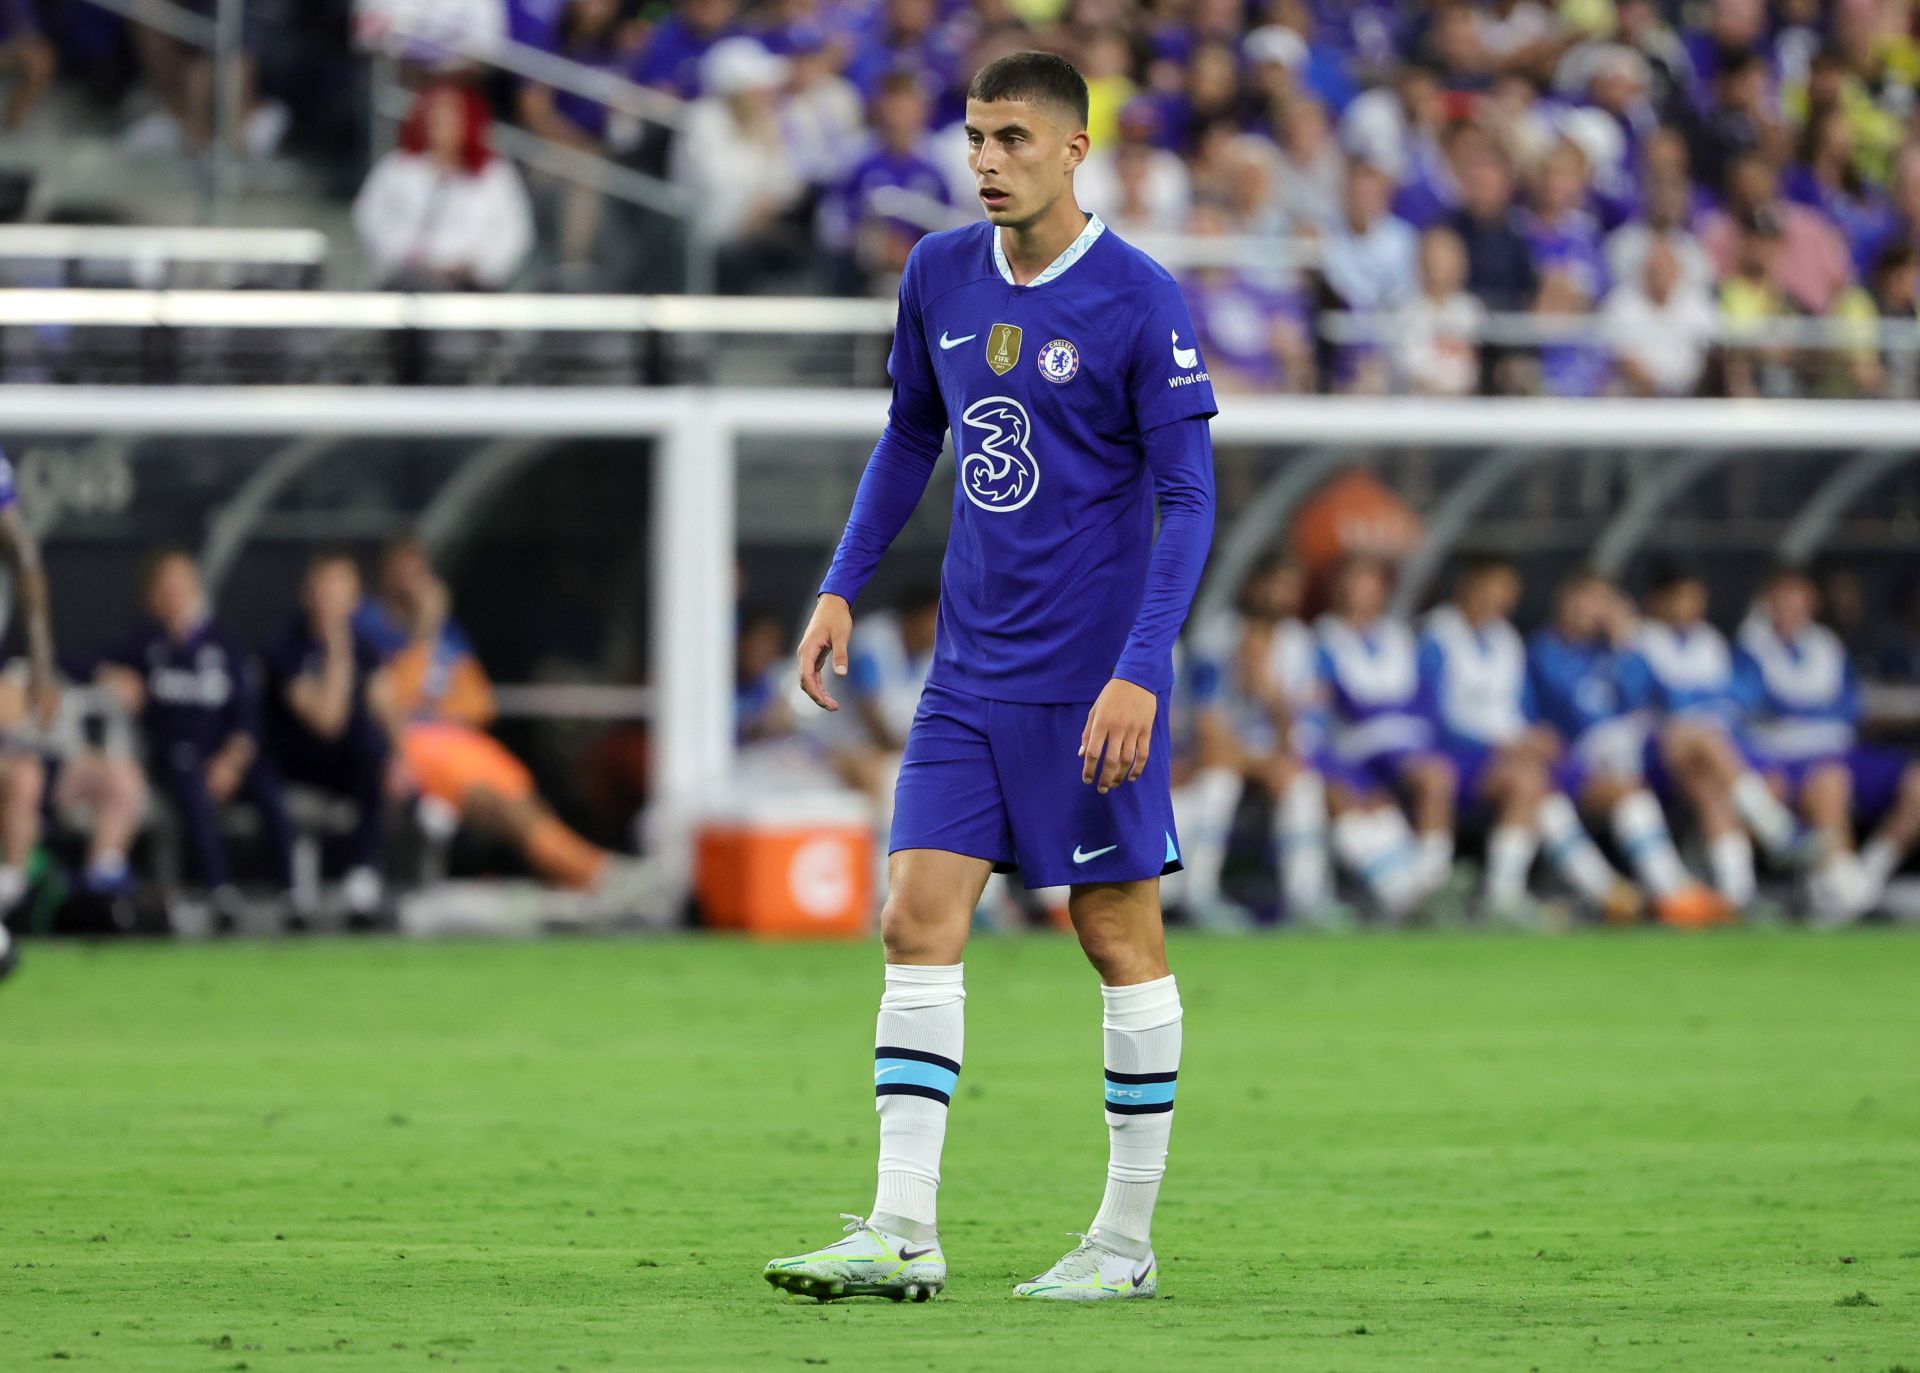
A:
(1031, 248)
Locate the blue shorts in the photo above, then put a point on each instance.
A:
(1471, 760)
(1875, 772)
(1000, 780)
(1377, 774)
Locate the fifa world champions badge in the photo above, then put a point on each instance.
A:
(1003, 348)
(1059, 361)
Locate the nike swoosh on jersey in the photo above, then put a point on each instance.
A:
(946, 342)
(1184, 357)
(1080, 857)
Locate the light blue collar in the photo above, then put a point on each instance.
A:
(1074, 252)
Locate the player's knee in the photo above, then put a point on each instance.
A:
(917, 931)
(1119, 953)
(1828, 787)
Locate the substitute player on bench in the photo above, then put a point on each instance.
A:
(1064, 363)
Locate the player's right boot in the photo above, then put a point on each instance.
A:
(1695, 907)
(867, 1263)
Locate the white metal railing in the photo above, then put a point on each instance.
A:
(401, 310)
(1523, 329)
(77, 242)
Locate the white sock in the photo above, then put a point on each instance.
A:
(1640, 828)
(1731, 857)
(916, 1063)
(1300, 832)
(13, 884)
(1203, 812)
(1572, 851)
(1879, 861)
(1510, 850)
(1769, 819)
(1379, 850)
(1436, 858)
(1141, 1027)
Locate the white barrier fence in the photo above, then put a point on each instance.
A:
(696, 432)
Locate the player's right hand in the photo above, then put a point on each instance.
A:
(826, 638)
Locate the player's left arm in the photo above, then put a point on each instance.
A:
(1172, 400)
(1120, 726)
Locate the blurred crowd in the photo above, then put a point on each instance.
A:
(1448, 196)
(1625, 760)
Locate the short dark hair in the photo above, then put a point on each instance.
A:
(1036, 77)
(1473, 563)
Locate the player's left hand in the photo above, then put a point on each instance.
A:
(1119, 728)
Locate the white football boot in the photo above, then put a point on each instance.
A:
(1091, 1273)
(867, 1263)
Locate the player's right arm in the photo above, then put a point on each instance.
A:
(895, 479)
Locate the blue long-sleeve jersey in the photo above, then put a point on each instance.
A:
(1077, 403)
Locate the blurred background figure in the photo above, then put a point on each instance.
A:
(196, 696)
(440, 702)
(330, 715)
(441, 212)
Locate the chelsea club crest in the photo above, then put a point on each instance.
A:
(1059, 361)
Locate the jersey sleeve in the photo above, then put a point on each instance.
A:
(1166, 376)
(909, 364)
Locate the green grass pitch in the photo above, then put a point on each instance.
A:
(1627, 1152)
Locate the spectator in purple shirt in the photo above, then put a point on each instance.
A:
(671, 59)
(1255, 335)
(1562, 235)
(870, 243)
(592, 33)
(1735, 30)
(1826, 178)
(26, 61)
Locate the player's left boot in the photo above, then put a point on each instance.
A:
(867, 1263)
(1090, 1273)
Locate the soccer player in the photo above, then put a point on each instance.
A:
(1680, 670)
(1382, 747)
(1064, 364)
(1258, 716)
(1474, 665)
(1806, 701)
(1573, 669)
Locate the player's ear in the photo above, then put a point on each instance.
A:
(1077, 147)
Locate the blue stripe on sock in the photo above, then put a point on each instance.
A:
(890, 1074)
(1124, 1094)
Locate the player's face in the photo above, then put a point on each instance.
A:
(1583, 610)
(1682, 604)
(173, 596)
(1790, 604)
(333, 590)
(1363, 592)
(1022, 157)
(1491, 594)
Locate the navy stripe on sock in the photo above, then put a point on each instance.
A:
(915, 1089)
(918, 1056)
(1112, 1076)
(1138, 1108)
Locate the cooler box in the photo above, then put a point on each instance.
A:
(798, 866)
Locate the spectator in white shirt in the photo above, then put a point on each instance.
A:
(1435, 345)
(441, 212)
(1369, 258)
(1135, 186)
(734, 159)
(1660, 326)
(1669, 198)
